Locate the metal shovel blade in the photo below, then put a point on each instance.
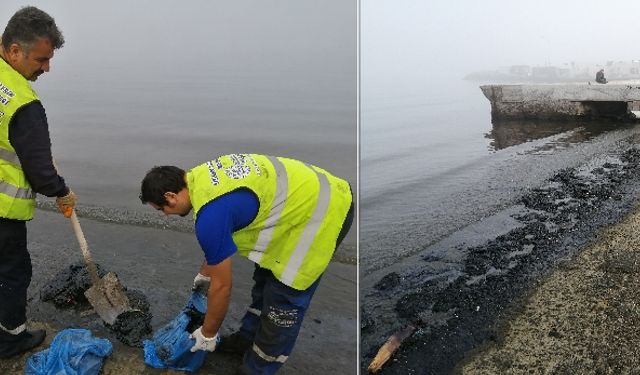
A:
(108, 298)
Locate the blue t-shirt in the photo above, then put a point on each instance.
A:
(218, 219)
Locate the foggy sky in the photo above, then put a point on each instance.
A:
(407, 40)
(275, 77)
(252, 37)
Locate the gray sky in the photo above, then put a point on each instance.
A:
(404, 40)
(251, 37)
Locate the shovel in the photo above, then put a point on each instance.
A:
(106, 295)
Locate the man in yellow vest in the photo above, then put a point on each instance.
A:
(26, 165)
(285, 215)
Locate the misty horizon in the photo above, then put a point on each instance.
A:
(408, 43)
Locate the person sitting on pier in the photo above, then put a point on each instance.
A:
(600, 76)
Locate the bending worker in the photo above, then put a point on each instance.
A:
(285, 215)
(26, 165)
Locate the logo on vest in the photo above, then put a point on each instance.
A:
(239, 169)
(212, 173)
(7, 91)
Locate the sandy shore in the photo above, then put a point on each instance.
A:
(583, 319)
(162, 264)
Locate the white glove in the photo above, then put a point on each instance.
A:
(201, 284)
(204, 343)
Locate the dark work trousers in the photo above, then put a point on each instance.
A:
(274, 317)
(15, 273)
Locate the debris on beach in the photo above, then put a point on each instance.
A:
(66, 291)
(389, 347)
(132, 327)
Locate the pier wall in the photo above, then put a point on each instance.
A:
(562, 101)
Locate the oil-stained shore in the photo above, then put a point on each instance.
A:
(458, 296)
(584, 318)
(161, 263)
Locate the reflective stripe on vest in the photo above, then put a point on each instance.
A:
(9, 156)
(304, 243)
(270, 225)
(14, 191)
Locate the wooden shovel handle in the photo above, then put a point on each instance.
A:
(88, 260)
(91, 266)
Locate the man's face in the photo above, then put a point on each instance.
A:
(33, 64)
(177, 204)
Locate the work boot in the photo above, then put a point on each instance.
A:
(234, 343)
(11, 345)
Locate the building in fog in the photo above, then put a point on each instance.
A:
(571, 71)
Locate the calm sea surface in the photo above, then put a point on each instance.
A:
(108, 127)
(433, 163)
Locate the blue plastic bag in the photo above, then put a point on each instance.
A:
(170, 346)
(72, 352)
(197, 302)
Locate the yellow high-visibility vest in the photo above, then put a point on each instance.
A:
(17, 199)
(302, 209)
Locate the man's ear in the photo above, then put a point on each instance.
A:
(171, 198)
(14, 51)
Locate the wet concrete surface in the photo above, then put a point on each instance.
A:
(458, 291)
(161, 264)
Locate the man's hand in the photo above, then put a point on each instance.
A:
(66, 203)
(204, 343)
(201, 284)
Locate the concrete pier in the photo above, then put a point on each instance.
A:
(616, 100)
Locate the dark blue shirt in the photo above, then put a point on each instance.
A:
(29, 136)
(218, 219)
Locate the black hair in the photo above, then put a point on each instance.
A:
(28, 25)
(159, 180)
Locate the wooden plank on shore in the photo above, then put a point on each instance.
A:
(386, 350)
